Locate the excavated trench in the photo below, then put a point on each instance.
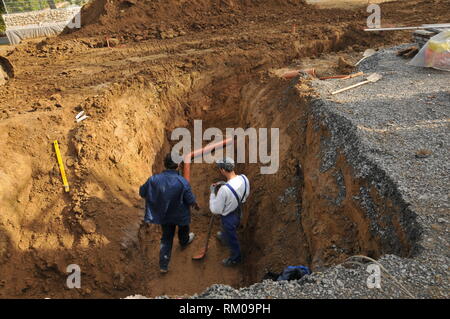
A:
(314, 211)
(305, 214)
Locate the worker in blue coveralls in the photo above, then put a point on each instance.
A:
(168, 198)
(228, 203)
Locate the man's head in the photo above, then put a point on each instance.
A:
(170, 162)
(225, 165)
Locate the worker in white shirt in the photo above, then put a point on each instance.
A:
(227, 202)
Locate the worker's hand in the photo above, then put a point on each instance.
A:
(215, 187)
(196, 207)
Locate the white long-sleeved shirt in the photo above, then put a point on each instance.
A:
(225, 202)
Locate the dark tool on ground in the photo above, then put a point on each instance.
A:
(6, 70)
(7, 66)
(408, 52)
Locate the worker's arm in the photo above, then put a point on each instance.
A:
(217, 202)
(143, 190)
(248, 189)
(188, 196)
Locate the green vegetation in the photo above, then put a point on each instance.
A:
(15, 6)
(2, 23)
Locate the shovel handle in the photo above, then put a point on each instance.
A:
(350, 87)
(357, 63)
(211, 222)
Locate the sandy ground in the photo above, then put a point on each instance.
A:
(159, 74)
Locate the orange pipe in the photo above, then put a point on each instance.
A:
(292, 74)
(205, 150)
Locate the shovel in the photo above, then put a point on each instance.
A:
(367, 53)
(201, 254)
(370, 79)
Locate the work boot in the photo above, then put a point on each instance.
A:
(163, 270)
(230, 263)
(191, 239)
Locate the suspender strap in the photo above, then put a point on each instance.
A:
(236, 195)
(245, 185)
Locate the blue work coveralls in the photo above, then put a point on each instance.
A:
(168, 197)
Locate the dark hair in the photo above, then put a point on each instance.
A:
(169, 162)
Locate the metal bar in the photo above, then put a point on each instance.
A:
(61, 166)
(394, 29)
(423, 26)
(439, 25)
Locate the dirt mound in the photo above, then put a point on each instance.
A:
(6, 70)
(165, 19)
(131, 16)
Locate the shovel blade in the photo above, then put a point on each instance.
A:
(369, 52)
(201, 254)
(374, 77)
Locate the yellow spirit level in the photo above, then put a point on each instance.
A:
(61, 166)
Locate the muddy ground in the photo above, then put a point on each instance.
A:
(225, 69)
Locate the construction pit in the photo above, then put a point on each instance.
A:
(139, 81)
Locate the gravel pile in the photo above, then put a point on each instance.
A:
(405, 278)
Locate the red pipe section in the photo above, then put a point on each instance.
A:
(205, 150)
(292, 74)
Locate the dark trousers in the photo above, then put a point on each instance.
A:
(168, 233)
(230, 224)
